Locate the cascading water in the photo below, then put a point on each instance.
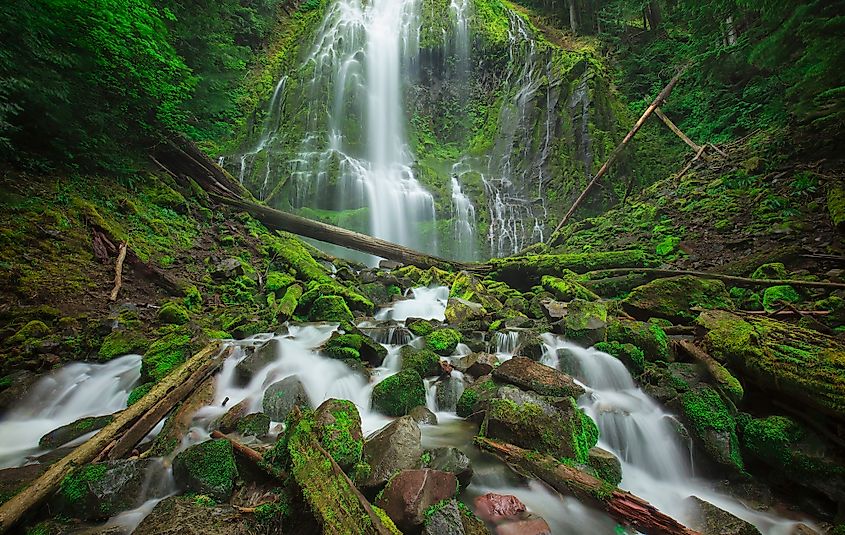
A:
(656, 461)
(269, 128)
(463, 216)
(363, 53)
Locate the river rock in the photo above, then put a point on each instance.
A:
(553, 310)
(674, 298)
(585, 322)
(449, 460)
(525, 524)
(72, 431)
(447, 392)
(408, 494)
(393, 448)
(447, 518)
(263, 355)
(495, 508)
(14, 480)
(460, 310)
(182, 515)
(476, 364)
(710, 520)
(525, 373)
(281, 397)
(100, 490)
(531, 347)
(207, 468)
(19, 384)
(339, 431)
(256, 425)
(606, 465)
(398, 394)
(229, 421)
(422, 415)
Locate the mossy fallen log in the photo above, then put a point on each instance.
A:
(623, 506)
(736, 281)
(40, 489)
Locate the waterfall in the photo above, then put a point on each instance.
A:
(463, 217)
(460, 11)
(363, 53)
(269, 128)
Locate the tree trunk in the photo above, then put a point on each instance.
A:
(573, 16)
(678, 132)
(623, 506)
(40, 489)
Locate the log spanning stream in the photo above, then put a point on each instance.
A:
(656, 460)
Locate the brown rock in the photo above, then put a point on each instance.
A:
(411, 492)
(495, 508)
(525, 373)
(484, 364)
(229, 421)
(525, 525)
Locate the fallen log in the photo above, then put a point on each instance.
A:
(301, 226)
(678, 132)
(118, 271)
(252, 455)
(621, 505)
(335, 501)
(621, 147)
(40, 489)
(124, 445)
(178, 423)
(737, 281)
(728, 383)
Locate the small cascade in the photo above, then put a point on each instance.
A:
(579, 105)
(427, 303)
(656, 460)
(62, 397)
(269, 128)
(504, 343)
(463, 216)
(460, 11)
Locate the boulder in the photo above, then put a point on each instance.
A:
(443, 341)
(256, 424)
(531, 347)
(424, 361)
(476, 396)
(355, 345)
(713, 425)
(19, 384)
(447, 392)
(674, 298)
(584, 323)
(607, 465)
(495, 508)
(282, 396)
(226, 269)
(410, 493)
(398, 394)
(710, 520)
(72, 431)
(184, 515)
(331, 308)
(448, 518)
(468, 288)
(266, 353)
(100, 490)
(422, 415)
(525, 373)
(393, 448)
(419, 326)
(207, 468)
(14, 480)
(449, 460)
(649, 337)
(566, 289)
(525, 524)
(229, 421)
(477, 364)
(460, 310)
(339, 431)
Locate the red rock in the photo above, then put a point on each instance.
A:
(496, 508)
(411, 492)
(529, 525)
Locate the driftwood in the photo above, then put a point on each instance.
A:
(623, 506)
(738, 281)
(619, 148)
(279, 220)
(124, 444)
(118, 271)
(40, 489)
(252, 455)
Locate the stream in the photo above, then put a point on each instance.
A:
(656, 460)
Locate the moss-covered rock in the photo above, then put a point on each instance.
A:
(791, 361)
(607, 465)
(566, 289)
(207, 468)
(278, 282)
(165, 354)
(459, 311)
(771, 271)
(331, 308)
(674, 298)
(74, 430)
(33, 330)
(338, 428)
(122, 342)
(138, 392)
(649, 337)
(399, 393)
(475, 396)
(544, 380)
(713, 425)
(585, 322)
(423, 361)
(256, 424)
(355, 346)
(443, 341)
(469, 288)
(629, 354)
(836, 204)
(173, 313)
(419, 327)
(523, 272)
(775, 297)
(353, 300)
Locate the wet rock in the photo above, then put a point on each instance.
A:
(227, 269)
(100, 490)
(339, 431)
(526, 524)
(331, 308)
(422, 415)
(476, 396)
(531, 347)
(393, 448)
(710, 520)
(263, 355)
(449, 460)
(72, 431)
(525, 373)
(459, 311)
(281, 397)
(606, 465)
(229, 421)
(674, 298)
(398, 394)
(447, 392)
(476, 364)
(585, 322)
(468, 288)
(424, 361)
(355, 345)
(443, 341)
(803, 529)
(553, 310)
(182, 515)
(566, 289)
(495, 508)
(521, 397)
(713, 425)
(408, 494)
(256, 424)
(207, 468)
(448, 518)
(419, 326)
(649, 337)
(19, 384)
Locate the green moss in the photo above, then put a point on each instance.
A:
(667, 246)
(420, 327)
(443, 341)
(836, 204)
(466, 402)
(649, 337)
(256, 425)
(34, 330)
(74, 486)
(399, 393)
(338, 436)
(567, 290)
(173, 313)
(584, 436)
(630, 354)
(706, 410)
(344, 346)
(165, 354)
(331, 308)
(676, 298)
(192, 299)
(526, 271)
(386, 521)
(204, 501)
(209, 467)
(771, 271)
(423, 361)
(277, 282)
(354, 300)
(775, 297)
(138, 392)
(119, 343)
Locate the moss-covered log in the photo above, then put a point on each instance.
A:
(623, 506)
